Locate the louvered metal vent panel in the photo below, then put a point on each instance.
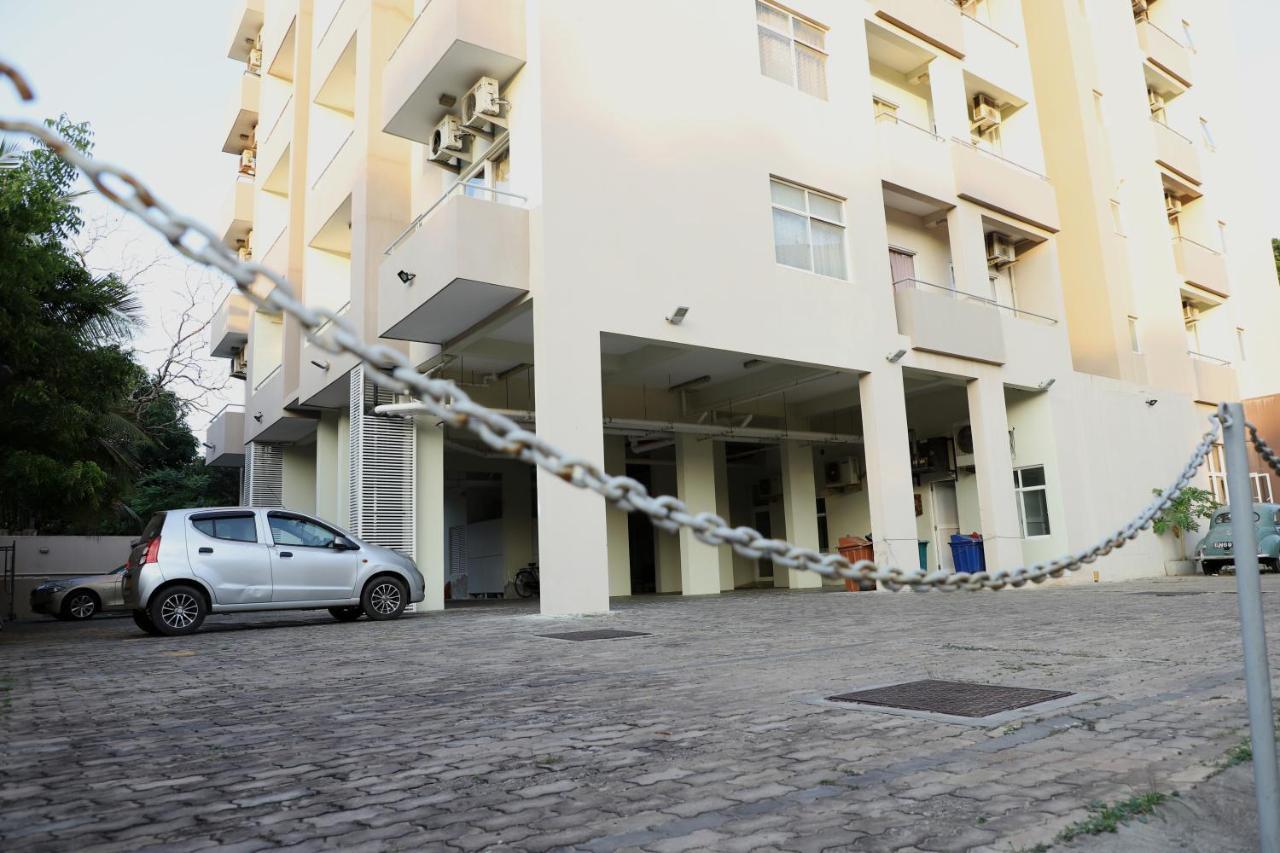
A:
(382, 469)
(263, 475)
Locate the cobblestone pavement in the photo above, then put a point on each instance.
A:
(467, 731)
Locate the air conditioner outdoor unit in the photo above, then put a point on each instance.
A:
(1172, 206)
(448, 141)
(962, 437)
(482, 106)
(840, 473)
(1190, 313)
(239, 364)
(244, 253)
(1140, 7)
(1000, 250)
(1155, 100)
(985, 114)
(249, 161)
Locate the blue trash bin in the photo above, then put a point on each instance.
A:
(968, 554)
(924, 554)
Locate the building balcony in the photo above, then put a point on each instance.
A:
(224, 438)
(1201, 266)
(1001, 185)
(941, 320)
(1177, 154)
(237, 213)
(450, 45)
(1215, 379)
(244, 115)
(466, 258)
(1165, 54)
(268, 419)
(246, 25)
(229, 328)
(937, 22)
(914, 158)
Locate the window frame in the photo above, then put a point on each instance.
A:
(1019, 490)
(809, 216)
(1135, 336)
(215, 516)
(790, 36)
(308, 519)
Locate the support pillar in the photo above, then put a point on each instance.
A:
(695, 485)
(299, 478)
(428, 509)
(327, 469)
(997, 501)
(968, 245)
(517, 520)
(800, 512)
(573, 549)
(890, 492)
(615, 462)
(724, 552)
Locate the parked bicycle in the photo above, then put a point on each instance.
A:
(527, 582)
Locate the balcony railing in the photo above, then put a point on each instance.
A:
(270, 375)
(893, 118)
(324, 327)
(1208, 359)
(968, 143)
(336, 152)
(985, 25)
(970, 297)
(460, 185)
(229, 407)
(417, 18)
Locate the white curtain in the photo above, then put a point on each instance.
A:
(791, 239)
(828, 249)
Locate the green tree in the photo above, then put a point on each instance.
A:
(1275, 251)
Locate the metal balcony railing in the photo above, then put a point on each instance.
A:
(969, 144)
(336, 152)
(887, 117)
(1197, 243)
(1210, 359)
(915, 283)
(417, 18)
(1167, 129)
(229, 407)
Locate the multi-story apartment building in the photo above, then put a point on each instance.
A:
(885, 268)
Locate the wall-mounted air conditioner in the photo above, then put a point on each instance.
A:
(1172, 205)
(244, 253)
(1000, 250)
(449, 141)
(985, 114)
(239, 364)
(1140, 9)
(840, 473)
(482, 107)
(1156, 101)
(249, 161)
(1190, 313)
(962, 439)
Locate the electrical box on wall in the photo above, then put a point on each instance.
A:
(840, 474)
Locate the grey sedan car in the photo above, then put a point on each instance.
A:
(80, 598)
(192, 562)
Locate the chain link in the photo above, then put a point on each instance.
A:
(441, 398)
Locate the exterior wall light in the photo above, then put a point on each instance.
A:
(323, 365)
(894, 358)
(1047, 384)
(677, 317)
(406, 277)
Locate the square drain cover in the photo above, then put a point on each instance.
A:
(579, 636)
(955, 698)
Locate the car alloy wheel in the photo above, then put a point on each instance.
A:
(82, 605)
(385, 598)
(179, 610)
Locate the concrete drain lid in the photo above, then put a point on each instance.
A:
(605, 634)
(953, 698)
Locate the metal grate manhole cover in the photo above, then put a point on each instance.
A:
(1166, 594)
(606, 634)
(956, 698)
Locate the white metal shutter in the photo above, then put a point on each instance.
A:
(383, 466)
(263, 483)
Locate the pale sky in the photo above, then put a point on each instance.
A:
(152, 78)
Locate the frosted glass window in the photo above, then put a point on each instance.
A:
(808, 229)
(792, 50)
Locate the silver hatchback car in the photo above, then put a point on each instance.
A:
(192, 562)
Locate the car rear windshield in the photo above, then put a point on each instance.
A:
(1225, 518)
(152, 530)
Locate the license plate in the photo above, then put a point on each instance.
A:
(1226, 546)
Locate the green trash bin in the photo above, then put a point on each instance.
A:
(924, 555)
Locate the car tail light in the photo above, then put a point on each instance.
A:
(152, 554)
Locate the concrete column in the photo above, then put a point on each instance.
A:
(615, 462)
(428, 510)
(327, 478)
(696, 486)
(573, 547)
(890, 492)
(968, 250)
(517, 519)
(950, 103)
(666, 546)
(724, 553)
(800, 512)
(299, 470)
(997, 502)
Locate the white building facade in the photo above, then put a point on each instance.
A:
(804, 265)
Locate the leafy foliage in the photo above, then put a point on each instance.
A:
(1108, 818)
(1185, 513)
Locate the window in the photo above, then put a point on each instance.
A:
(1240, 342)
(1117, 217)
(292, 530)
(1033, 501)
(1222, 236)
(881, 107)
(1261, 488)
(823, 541)
(1134, 343)
(792, 50)
(235, 528)
(495, 174)
(1098, 111)
(902, 265)
(808, 229)
(1207, 132)
(1186, 31)
(1217, 477)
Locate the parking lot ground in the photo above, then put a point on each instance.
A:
(468, 730)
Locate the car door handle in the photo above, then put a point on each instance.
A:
(286, 553)
(206, 550)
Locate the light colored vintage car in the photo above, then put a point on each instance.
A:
(1216, 550)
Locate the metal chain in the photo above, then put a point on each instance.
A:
(1264, 450)
(441, 398)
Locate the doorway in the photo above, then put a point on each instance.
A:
(946, 521)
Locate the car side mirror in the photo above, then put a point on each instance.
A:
(342, 543)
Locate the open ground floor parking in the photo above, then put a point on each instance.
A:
(710, 730)
(898, 457)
